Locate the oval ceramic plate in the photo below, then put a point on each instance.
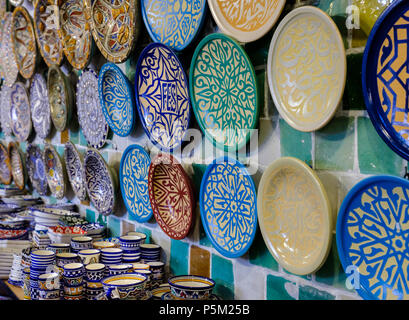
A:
(20, 113)
(17, 165)
(75, 170)
(246, 21)
(5, 110)
(383, 82)
(101, 182)
(115, 27)
(40, 106)
(5, 165)
(171, 196)
(372, 228)
(8, 59)
(116, 98)
(173, 23)
(36, 169)
(223, 90)
(46, 27)
(228, 207)
(162, 96)
(294, 216)
(90, 116)
(55, 171)
(306, 68)
(133, 179)
(24, 42)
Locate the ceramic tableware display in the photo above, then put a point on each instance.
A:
(81, 243)
(227, 187)
(8, 59)
(191, 287)
(133, 180)
(24, 42)
(162, 96)
(371, 241)
(127, 286)
(175, 24)
(223, 89)
(75, 170)
(89, 256)
(20, 114)
(171, 196)
(5, 110)
(45, 20)
(36, 169)
(116, 99)
(246, 21)
(295, 216)
(40, 107)
(307, 70)
(383, 82)
(110, 256)
(5, 165)
(101, 182)
(55, 171)
(115, 27)
(90, 116)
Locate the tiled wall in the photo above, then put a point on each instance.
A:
(343, 152)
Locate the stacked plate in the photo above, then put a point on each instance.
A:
(13, 234)
(11, 221)
(42, 262)
(22, 200)
(110, 256)
(61, 206)
(49, 217)
(10, 191)
(150, 252)
(61, 234)
(41, 239)
(96, 231)
(7, 250)
(15, 277)
(9, 208)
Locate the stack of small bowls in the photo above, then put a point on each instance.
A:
(81, 243)
(42, 261)
(103, 244)
(59, 247)
(130, 286)
(158, 272)
(150, 252)
(139, 234)
(73, 277)
(89, 256)
(110, 256)
(190, 287)
(16, 273)
(61, 260)
(117, 269)
(26, 283)
(49, 286)
(94, 273)
(130, 246)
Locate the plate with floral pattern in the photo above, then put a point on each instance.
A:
(5, 110)
(36, 169)
(8, 59)
(55, 171)
(40, 106)
(5, 165)
(75, 170)
(20, 113)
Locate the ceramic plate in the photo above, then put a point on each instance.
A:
(101, 182)
(171, 196)
(17, 165)
(133, 179)
(295, 216)
(173, 23)
(223, 90)
(115, 27)
(246, 21)
(75, 33)
(46, 31)
(5, 110)
(116, 98)
(162, 96)
(55, 171)
(20, 113)
(24, 42)
(307, 70)
(40, 106)
(75, 170)
(228, 207)
(5, 165)
(36, 169)
(9, 63)
(383, 82)
(59, 97)
(372, 228)
(90, 116)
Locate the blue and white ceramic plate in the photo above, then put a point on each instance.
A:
(40, 107)
(173, 23)
(162, 96)
(117, 100)
(228, 207)
(20, 113)
(372, 237)
(133, 177)
(36, 169)
(75, 170)
(384, 84)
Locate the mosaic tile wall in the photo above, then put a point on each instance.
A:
(345, 151)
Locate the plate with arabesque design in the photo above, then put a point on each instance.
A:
(246, 21)
(36, 169)
(40, 106)
(223, 90)
(171, 196)
(17, 165)
(372, 237)
(117, 99)
(228, 206)
(20, 113)
(8, 59)
(75, 170)
(295, 216)
(5, 165)
(173, 23)
(162, 96)
(384, 83)
(55, 171)
(133, 179)
(306, 68)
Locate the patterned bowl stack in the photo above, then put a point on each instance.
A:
(110, 256)
(158, 273)
(73, 277)
(150, 252)
(94, 273)
(42, 261)
(81, 243)
(41, 239)
(15, 277)
(49, 286)
(130, 246)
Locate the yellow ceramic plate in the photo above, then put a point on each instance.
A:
(246, 21)
(294, 216)
(307, 68)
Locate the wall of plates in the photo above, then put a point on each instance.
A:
(234, 136)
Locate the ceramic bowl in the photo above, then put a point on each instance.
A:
(49, 281)
(40, 106)
(42, 255)
(5, 165)
(140, 266)
(73, 270)
(81, 243)
(119, 269)
(17, 164)
(130, 242)
(94, 271)
(101, 182)
(103, 244)
(66, 258)
(158, 292)
(191, 287)
(59, 247)
(55, 171)
(171, 196)
(49, 294)
(139, 234)
(73, 297)
(75, 170)
(127, 286)
(73, 291)
(89, 256)
(9, 64)
(20, 113)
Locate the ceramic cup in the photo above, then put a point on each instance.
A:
(119, 269)
(94, 271)
(74, 290)
(103, 244)
(49, 281)
(66, 257)
(130, 242)
(129, 286)
(140, 266)
(73, 274)
(139, 234)
(81, 243)
(89, 256)
(59, 247)
(190, 287)
(49, 294)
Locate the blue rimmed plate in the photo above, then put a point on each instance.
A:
(384, 81)
(117, 100)
(173, 23)
(228, 207)
(162, 96)
(372, 237)
(133, 178)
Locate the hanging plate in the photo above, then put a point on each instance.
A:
(55, 171)
(36, 169)
(5, 165)
(20, 113)
(75, 170)
(40, 106)
(17, 165)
